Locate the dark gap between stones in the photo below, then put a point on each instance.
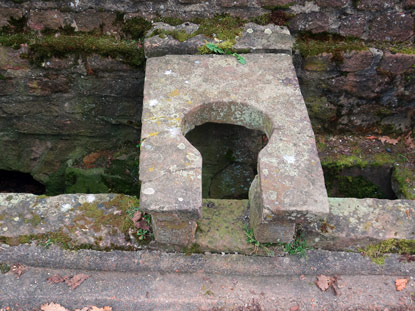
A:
(14, 181)
(359, 182)
(230, 156)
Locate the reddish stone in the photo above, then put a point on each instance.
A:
(356, 60)
(376, 5)
(353, 25)
(91, 20)
(274, 2)
(315, 22)
(189, 1)
(322, 62)
(10, 59)
(392, 27)
(361, 85)
(39, 20)
(234, 3)
(331, 3)
(48, 85)
(410, 4)
(397, 63)
(7, 13)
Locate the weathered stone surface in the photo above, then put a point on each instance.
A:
(397, 63)
(332, 3)
(96, 114)
(183, 92)
(354, 223)
(321, 62)
(410, 4)
(353, 25)
(94, 220)
(7, 13)
(171, 229)
(90, 20)
(315, 22)
(50, 19)
(233, 3)
(361, 85)
(356, 60)
(392, 27)
(376, 5)
(10, 59)
(265, 39)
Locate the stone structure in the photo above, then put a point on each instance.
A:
(182, 92)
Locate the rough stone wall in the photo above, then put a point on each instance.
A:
(380, 20)
(58, 121)
(370, 91)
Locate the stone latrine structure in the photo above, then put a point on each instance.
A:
(182, 92)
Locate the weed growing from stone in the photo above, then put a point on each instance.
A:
(218, 50)
(297, 247)
(250, 238)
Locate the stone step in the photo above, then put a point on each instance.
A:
(162, 281)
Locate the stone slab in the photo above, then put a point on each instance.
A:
(253, 39)
(182, 92)
(265, 39)
(354, 223)
(79, 220)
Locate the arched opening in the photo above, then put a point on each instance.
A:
(230, 155)
(14, 181)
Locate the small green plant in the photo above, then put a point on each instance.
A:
(217, 50)
(250, 238)
(297, 247)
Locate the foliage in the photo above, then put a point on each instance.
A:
(297, 247)
(217, 50)
(376, 252)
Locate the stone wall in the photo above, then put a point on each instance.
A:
(390, 20)
(59, 121)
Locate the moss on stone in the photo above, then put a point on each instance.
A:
(136, 28)
(45, 47)
(84, 181)
(225, 45)
(173, 21)
(4, 267)
(404, 178)
(376, 252)
(34, 220)
(311, 44)
(224, 27)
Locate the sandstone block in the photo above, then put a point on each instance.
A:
(353, 25)
(397, 63)
(392, 27)
(39, 20)
(376, 5)
(315, 22)
(171, 229)
(332, 3)
(356, 61)
(7, 13)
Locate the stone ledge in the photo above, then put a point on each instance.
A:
(254, 39)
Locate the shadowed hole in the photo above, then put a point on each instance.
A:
(13, 181)
(359, 182)
(230, 155)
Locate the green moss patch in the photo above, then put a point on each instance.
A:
(376, 252)
(45, 47)
(405, 179)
